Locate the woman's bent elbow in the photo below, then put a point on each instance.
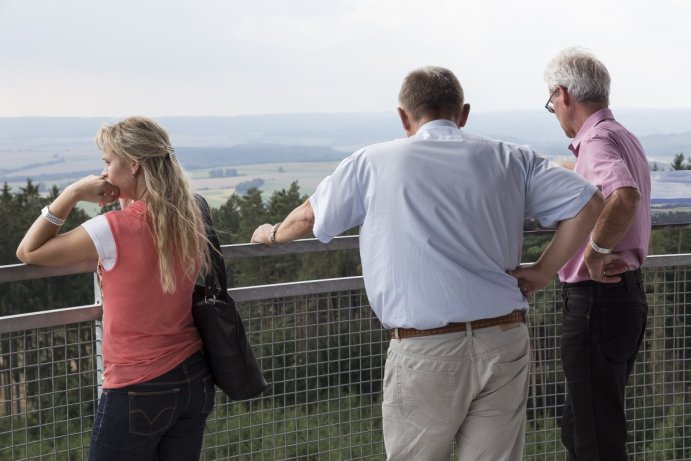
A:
(22, 255)
(26, 256)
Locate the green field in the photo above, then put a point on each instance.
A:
(276, 176)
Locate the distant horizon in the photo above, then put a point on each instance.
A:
(343, 112)
(53, 148)
(347, 130)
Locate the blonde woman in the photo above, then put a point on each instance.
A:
(157, 388)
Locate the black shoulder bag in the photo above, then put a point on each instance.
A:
(226, 347)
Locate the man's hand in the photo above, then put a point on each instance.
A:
(531, 278)
(261, 234)
(604, 268)
(297, 224)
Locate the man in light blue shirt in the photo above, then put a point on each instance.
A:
(441, 218)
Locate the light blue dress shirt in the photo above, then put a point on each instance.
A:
(441, 216)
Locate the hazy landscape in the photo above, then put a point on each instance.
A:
(230, 154)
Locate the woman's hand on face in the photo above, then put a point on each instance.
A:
(95, 189)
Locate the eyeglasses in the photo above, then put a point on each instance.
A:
(548, 104)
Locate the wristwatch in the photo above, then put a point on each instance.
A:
(272, 234)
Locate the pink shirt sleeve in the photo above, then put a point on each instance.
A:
(600, 162)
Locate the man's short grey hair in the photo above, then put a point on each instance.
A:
(431, 92)
(583, 75)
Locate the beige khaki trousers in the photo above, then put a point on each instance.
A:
(468, 386)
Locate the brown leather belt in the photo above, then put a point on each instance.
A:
(517, 316)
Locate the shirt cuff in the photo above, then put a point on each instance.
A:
(609, 190)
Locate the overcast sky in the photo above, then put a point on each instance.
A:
(234, 57)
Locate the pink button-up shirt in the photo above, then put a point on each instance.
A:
(611, 157)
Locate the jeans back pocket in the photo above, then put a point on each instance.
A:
(152, 412)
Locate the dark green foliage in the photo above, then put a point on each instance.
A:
(670, 241)
(680, 163)
(533, 245)
(49, 393)
(246, 186)
(17, 212)
(346, 429)
(237, 219)
(324, 355)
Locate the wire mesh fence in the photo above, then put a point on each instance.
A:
(324, 356)
(47, 392)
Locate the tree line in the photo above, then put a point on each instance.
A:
(235, 221)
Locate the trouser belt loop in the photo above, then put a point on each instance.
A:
(468, 328)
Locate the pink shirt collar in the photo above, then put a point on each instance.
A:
(592, 121)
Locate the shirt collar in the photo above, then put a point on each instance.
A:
(592, 121)
(427, 130)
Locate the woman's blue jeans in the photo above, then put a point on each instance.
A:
(161, 419)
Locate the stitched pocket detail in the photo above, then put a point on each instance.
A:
(151, 412)
(424, 395)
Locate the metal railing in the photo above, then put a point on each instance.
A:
(323, 352)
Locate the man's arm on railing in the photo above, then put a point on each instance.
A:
(297, 224)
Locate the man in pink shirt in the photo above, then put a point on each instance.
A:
(605, 306)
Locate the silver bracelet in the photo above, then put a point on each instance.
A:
(272, 234)
(45, 212)
(599, 249)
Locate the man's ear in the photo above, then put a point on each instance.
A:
(405, 120)
(464, 115)
(565, 96)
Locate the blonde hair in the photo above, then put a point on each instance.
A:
(176, 222)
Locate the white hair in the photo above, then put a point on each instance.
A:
(583, 75)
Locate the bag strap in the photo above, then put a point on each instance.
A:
(218, 265)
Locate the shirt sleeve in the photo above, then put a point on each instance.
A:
(337, 203)
(600, 162)
(554, 193)
(100, 233)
